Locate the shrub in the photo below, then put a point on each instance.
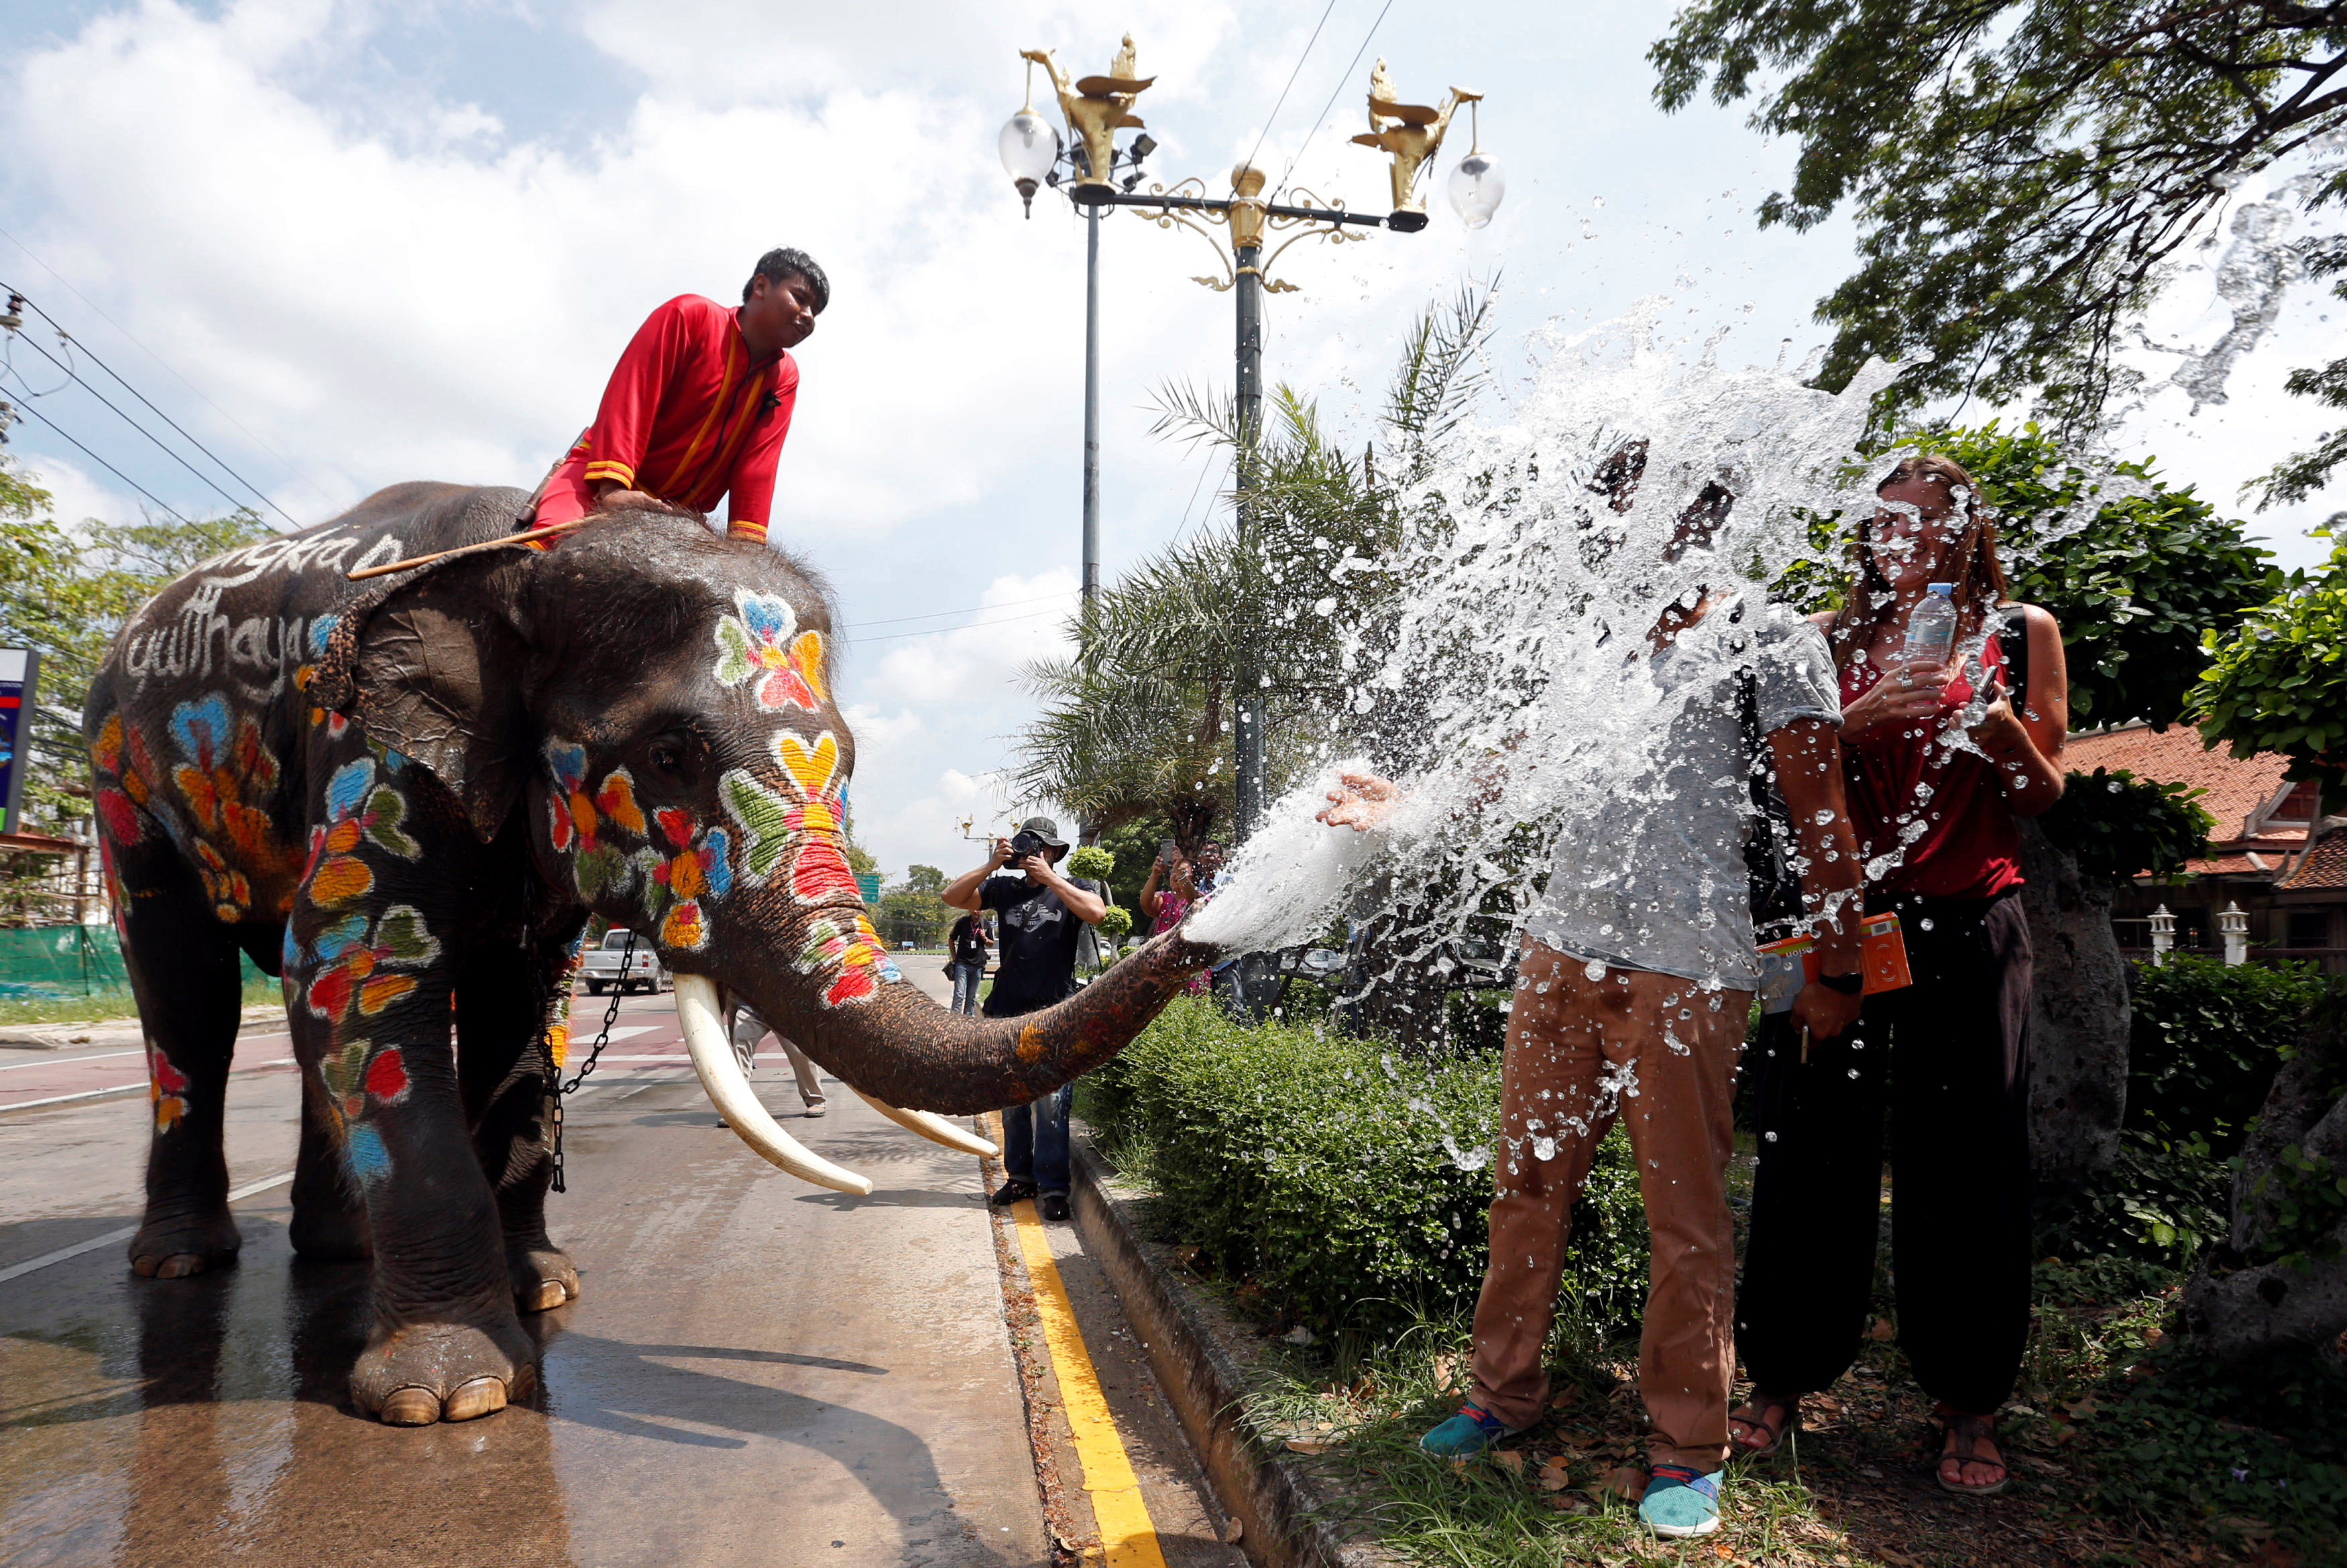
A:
(2205, 1042)
(2159, 1204)
(2121, 827)
(1349, 1186)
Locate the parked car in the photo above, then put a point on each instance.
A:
(643, 971)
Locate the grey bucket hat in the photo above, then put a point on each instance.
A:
(1044, 828)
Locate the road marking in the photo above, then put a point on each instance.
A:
(130, 1088)
(61, 1060)
(127, 1232)
(1127, 1538)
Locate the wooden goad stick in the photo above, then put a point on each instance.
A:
(550, 530)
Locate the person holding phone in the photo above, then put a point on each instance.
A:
(1041, 913)
(1939, 756)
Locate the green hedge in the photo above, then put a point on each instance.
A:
(2205, 1041)
(1348, 1184)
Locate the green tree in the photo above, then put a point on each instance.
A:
(2029, 167)
(2136, 585)
(2279, 682)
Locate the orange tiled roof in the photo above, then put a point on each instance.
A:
(2175, 756)
(2324, 865)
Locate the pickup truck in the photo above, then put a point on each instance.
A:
(601, 966)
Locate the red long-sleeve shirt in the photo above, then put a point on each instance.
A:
(688, 416)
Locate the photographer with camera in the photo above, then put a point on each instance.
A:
(1040, 916)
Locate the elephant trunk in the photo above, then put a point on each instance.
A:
(899, 1047)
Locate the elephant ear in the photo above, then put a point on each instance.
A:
(433, 668)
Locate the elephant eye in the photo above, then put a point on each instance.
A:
(670, 754)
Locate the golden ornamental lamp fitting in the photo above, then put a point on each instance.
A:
(1411, 134)
(1247, 205)
(1096, 108)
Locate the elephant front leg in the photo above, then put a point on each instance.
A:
(511, 1029)
(372, 1029)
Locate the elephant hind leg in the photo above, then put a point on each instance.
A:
(183, 969)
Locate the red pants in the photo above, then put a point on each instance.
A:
(1659, 1053)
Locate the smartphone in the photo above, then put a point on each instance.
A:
(1168, 853)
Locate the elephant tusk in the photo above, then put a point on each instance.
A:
(728, 1087)
(935, 1128)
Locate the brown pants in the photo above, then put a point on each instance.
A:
(1659, 1053)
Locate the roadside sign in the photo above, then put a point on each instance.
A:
(20, 673)
(868, 884)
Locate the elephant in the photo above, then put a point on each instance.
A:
(405, 796)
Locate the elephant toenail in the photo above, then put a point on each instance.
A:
(541, 1296)
(180, 1265)
(480, 1397)
(411, 1408)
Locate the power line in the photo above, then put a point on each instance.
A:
(73, 376)
(94, 457)
(142, 397)
(970, 610)
(941, 631)
(175, 375)
(1331, 104)
(1291, 80)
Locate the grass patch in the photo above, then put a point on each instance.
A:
(104, 1007)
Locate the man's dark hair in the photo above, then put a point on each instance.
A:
(783, 264)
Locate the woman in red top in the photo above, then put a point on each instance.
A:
(1938, 762)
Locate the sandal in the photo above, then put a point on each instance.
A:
(1759, 1405)
(1964, 1434)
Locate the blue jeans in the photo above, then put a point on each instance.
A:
(1035, 1141)
(966, 977)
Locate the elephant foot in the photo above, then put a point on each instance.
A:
(174, 1247)
(543, 1277)
(428, 1373)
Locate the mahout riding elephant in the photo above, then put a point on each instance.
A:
(405, 797)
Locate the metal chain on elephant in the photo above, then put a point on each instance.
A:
(610, 1016)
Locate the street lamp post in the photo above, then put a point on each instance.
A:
(1095, 108)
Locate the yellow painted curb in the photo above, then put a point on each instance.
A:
(1127, 1538)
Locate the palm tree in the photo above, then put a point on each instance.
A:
(1137, 722)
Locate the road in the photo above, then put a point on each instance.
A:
(757, 1371)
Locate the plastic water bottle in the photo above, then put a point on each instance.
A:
(1931, 629)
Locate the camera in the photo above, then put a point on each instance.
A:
(1028, 842)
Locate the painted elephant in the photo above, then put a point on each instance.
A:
(405, 795)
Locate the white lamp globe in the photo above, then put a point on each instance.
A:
(1029, 147)
(1476, 187)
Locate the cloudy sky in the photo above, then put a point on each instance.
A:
(345, 244)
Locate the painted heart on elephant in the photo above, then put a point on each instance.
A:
(410, 808)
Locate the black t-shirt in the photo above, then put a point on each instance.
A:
(969, 946)
(1038, 945)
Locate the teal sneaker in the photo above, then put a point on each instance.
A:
(1465, 1435)
(1678, 1501)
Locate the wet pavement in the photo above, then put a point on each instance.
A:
(757, 1371)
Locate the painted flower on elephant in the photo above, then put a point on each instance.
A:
(808, 819)
(224, 763)
(167, 1088)
(575, 819)
(764, 642)
(357, 809)
(852, 947)
(693, 866)
(359, 1080)
(119, 755)
(358, 961)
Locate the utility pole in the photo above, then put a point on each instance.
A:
(1247, 216)
(1092, 405)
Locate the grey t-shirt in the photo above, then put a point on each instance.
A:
(1657, 880)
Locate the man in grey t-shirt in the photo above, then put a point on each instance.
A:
(1637, 973)
(1655, 877)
